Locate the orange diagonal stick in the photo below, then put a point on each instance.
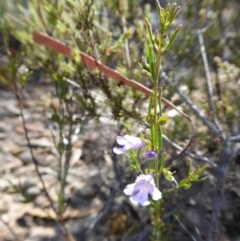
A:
(90, 62)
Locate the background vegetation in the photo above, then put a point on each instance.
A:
(201, 75)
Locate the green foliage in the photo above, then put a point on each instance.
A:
(83, 26)
(114, 33)
(22, 190)
(193, 176)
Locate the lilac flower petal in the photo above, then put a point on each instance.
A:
(136, 203)
(141, 193)
(141, 189)
(156, 194)
(145, 177)
(127, 146)
(127, 142)
(144, 189)
(118, 150)
(142, 200)
(152, 182)
(129, 189)
(121, 141)
(134, 141)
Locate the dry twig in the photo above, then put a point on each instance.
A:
(208, 79)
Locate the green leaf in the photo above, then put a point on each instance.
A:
(173, 12)
(151, 61)
(185, 184)
(173, 37)
(162, 15)
(150, 31)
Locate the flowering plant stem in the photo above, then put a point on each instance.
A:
(145, 190)
(159, 42)
(156, 133)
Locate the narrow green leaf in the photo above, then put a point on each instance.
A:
(185, 184)
(151, 61)
(161, 15)
(168, 9)
(149, 30)
(173, 37)
(175, 12)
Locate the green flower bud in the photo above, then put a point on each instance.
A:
(162, 120)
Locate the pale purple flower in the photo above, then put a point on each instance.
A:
(151, 155)
(127, 142)
(143, 188)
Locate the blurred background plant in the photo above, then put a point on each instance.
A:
(114, 33)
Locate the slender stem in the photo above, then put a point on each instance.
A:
(129, 63)
(35, 162)
(190, 154)
(157, 107)
(208, 78)
(158, 63)
(160, 114)
(40, 15)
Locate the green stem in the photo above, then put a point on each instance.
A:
(159, 126)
